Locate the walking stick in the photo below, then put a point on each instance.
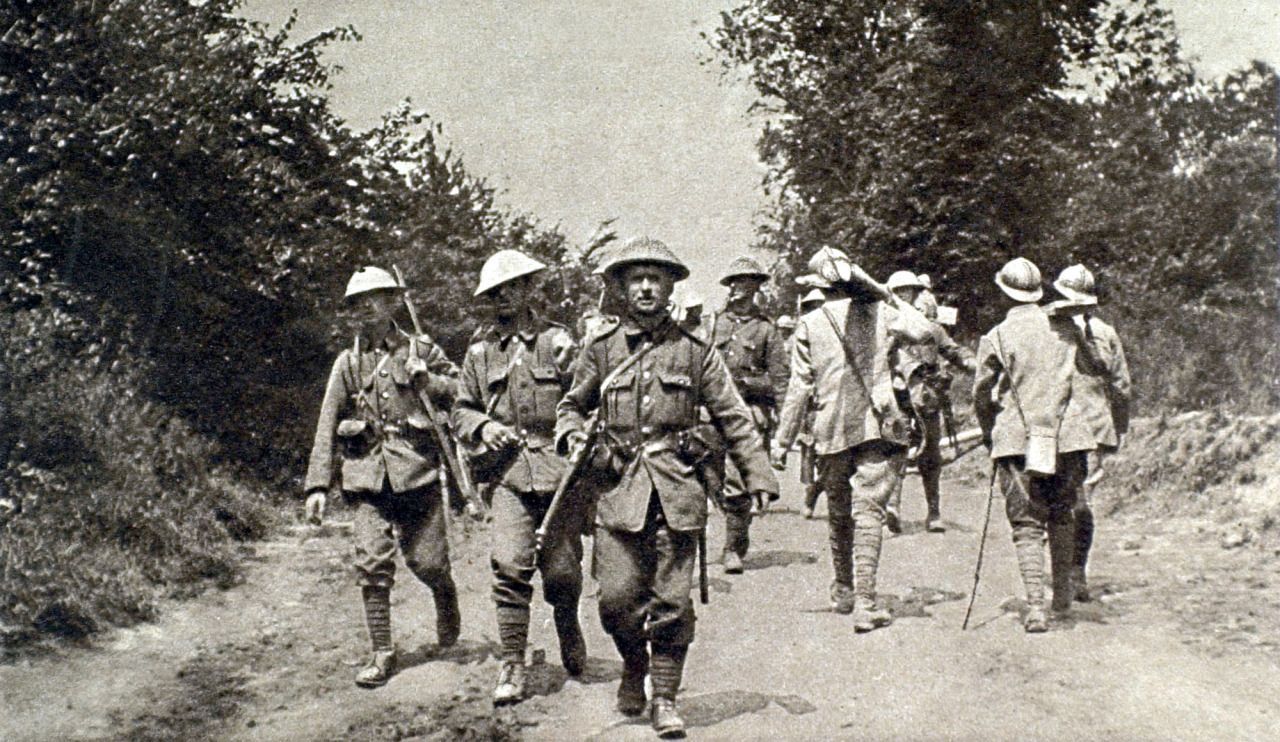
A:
(704, 596)
(982, 544)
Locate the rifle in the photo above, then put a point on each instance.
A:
(577, 463)
(704, 596)
(457, 473)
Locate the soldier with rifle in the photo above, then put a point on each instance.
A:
(513, 377)
(756, 356)
(646, 379)
(378, 445)
(924, 386)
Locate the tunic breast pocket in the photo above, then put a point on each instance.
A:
(547, 390)
(619, 394)
(678, 403)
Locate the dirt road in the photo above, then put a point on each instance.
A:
(1165, 653)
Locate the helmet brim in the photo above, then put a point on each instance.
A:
(1077, 298)
(728, 278)
(1021, 295)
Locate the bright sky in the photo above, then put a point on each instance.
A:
(579, 111)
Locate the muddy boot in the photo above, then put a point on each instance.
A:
(732, 563)
(737, 533)
(1028, 545)
(377, 616)
(1083, 543)
(866, 562)
(573, 648)
(867, 616)
(667, 669)
(510, 687)
(448, 619)
(1062, 564)
(635, 666)
(842, 599)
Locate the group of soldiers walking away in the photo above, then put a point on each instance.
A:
(629, 432)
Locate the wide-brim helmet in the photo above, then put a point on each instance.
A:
(1076, 283)
(1020, 280)
(370, 278)
(903, 280)
(814, 298)
(504, 266)
(644, 251)
(744, 267)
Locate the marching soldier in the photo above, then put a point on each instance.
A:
(808, 457)
(841, 363)
(513, 377)
(374, 417)
(646, 379)
(1021, 393)
(1104, 395)
(920, 377)
(757, 358)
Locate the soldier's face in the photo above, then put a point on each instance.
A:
(509, 298)
(372, 306)
(743, 290)
(907, 294)
(647, 288)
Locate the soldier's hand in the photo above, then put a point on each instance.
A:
(778, 458)
(314, 509)
(414, 365)
(576, 441)
(498, 436)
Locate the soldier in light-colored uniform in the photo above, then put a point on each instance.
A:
(374, 420)
(1103, 392)
(1021, 395)
(757, 359)
(512, 379)
(860, 433)
(920, 376)
(648, 379)
(808, 456)
(926, 302)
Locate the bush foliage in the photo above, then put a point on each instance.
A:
(948, 137)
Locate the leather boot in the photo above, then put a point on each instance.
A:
(635, 666)
(1062, 564)
(842, 599)
(1028, 545)
(448, 618)
(667, 669)
(510, 687)
(573, 648)
(867, 616)
(732, 563)
(378, 671)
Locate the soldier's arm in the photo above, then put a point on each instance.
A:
(985, 379)
(321, 475)
(583, 397)
(1120, 385)
(469, 414)
(908, 323)
(778, 362)
(734, 422)
(953, 352)
(440, 380)
(799, 390)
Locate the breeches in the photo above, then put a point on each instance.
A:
(859, 481)
(516, 516)
(645, 582)
(1032, 503)
(413, 521)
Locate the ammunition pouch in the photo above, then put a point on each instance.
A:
(356, 437)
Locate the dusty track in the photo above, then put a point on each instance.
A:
(1169, 652)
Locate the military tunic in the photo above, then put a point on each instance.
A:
(517, 379)
(373, 418)
(649, 514)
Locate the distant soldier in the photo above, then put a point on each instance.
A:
(1103, 393)
(841, 362)
(757, 358)
(786, 328)
(513, 377)
(647, 379)
(374, 417)
(926, 302)
(919, 376)
(1021, 393)
(808, 456)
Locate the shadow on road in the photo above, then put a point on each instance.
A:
(462, 653)
(777, 558)
(710, 709)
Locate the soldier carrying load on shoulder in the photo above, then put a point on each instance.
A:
(375, 421)
(513, 377)
(757, 358)
(860, 434)
(921, 379)
(646, 380)
(1102, 391)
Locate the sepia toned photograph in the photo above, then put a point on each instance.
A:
(600, 370)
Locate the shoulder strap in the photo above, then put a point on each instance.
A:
(627, 363)
(1013, 388)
